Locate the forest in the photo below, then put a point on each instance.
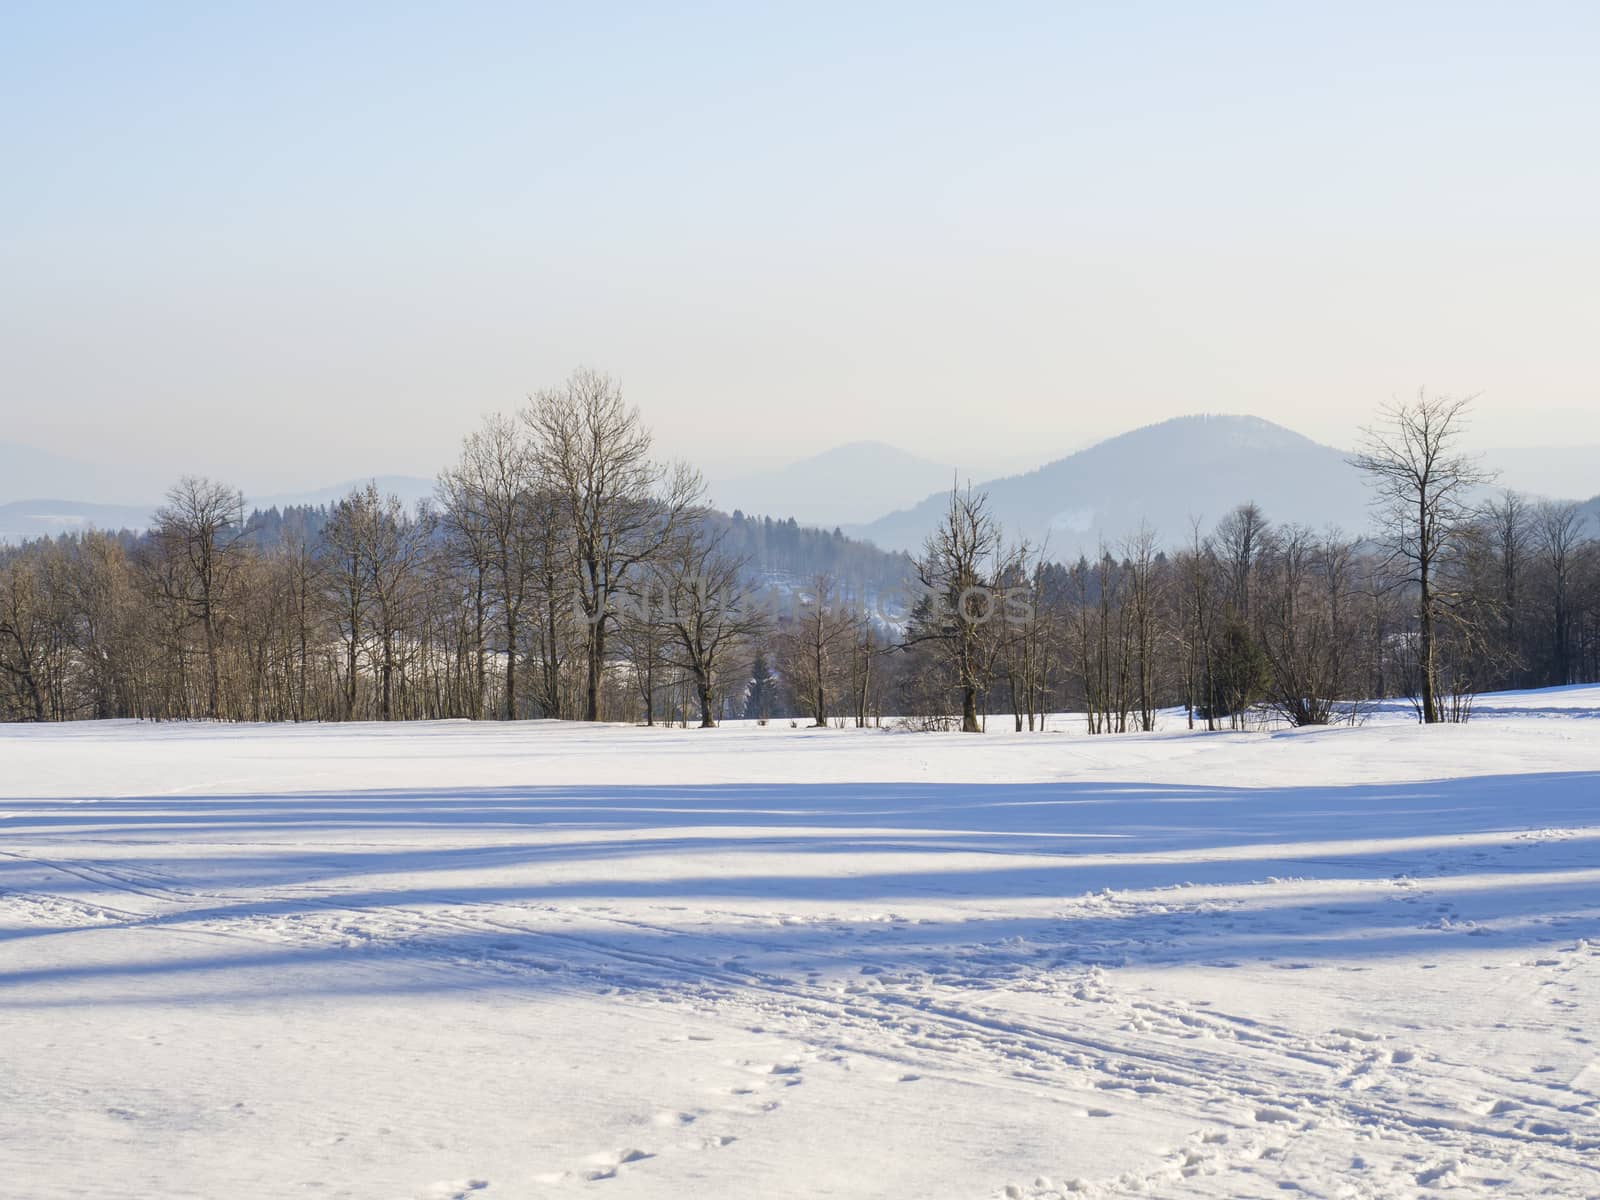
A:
(561, 571)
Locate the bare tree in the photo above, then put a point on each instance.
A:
(374, 551)
(865, 680)
(705, 607)
(488, 501)
(110, 628)
(1423, 492)
(1305, 624)
(396, 547)
(197, 536)
(343, 569)
(618, 508)
(813, 646)
(642, 635)
(467, 543)
(1197, 576)
(1242, 537)
(1509, 524)
(1104, 629)
(1559, 534)
(24, 638)
(1144, 586)
(1027, 639)
(960, 605)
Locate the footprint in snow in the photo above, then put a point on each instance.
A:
(669, 1119)
(459, 1190)
(1274, 1116)
(607, 1165)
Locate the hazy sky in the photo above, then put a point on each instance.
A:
(294, 243)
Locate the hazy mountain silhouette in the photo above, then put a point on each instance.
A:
(1166, 474)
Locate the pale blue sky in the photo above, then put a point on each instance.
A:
(286, 246)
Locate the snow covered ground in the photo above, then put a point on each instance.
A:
(549, 960)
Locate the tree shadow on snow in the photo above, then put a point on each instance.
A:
(323, 892)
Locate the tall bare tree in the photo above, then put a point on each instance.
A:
(25, 637)
(1197, 583)
(1559, 535)
(960, 605)
(1509, 525)
(1242, 537)
(814, 645)
(1424, 494)
(348, 584)
(618, 507)
(1144, 602)
(489, 507)
(197, 536)
(706, 608)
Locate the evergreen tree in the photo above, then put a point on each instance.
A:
(1242, 672)
(761, 691)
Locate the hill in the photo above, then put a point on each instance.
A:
(1165, 474)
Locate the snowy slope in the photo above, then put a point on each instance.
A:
(541, 960)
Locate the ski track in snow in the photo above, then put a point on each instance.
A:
(490, 961)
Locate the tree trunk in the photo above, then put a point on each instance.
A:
(350, 680)
(702, 684)
(511, 668)
(388, 674)
(969, 710)
(597, 654)
(214, 676)
(1430, 704)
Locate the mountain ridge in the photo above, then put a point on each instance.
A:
(1191, 467)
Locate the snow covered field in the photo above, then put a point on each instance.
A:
(490, 961)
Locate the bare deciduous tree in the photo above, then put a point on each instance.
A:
(1559, 533)
(489, 501)
(960, 606)
(705, 606)
(197, 536)
(1509, 524)
(1242, 537)
(813, 647)
(1424, 495)
(618, 507)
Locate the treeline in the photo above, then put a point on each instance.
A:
(562, 572)
(1447, 597)
(785, 549)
